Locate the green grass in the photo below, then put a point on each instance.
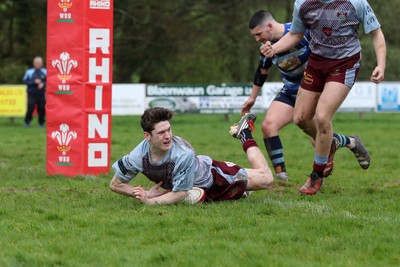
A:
(59, 221)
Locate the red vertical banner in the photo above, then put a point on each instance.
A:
(78, 92)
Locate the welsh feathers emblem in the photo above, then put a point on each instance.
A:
(64, 137)
(64, 66)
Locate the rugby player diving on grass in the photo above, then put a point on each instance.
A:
(172, 164)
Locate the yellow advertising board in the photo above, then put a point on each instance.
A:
(12, 100)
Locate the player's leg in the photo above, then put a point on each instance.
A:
(356, 146)
(278, 116)
(339, 77)
(304, 117)
(334, 147)
(330, 100)
(346, 72)
(304, 111)
(260, 176)
(330, 163)
(29, 111)
(333, 79)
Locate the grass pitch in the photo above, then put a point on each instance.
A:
(58, 221)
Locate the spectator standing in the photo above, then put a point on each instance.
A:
(35, 79)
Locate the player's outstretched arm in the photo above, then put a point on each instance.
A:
(117, 186)
(168, 198)
(378, 40)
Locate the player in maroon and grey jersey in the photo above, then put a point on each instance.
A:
(331, 71)
(172, 164)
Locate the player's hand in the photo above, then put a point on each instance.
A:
(247, 106)
(40, 85)
(377, 75)
(154, 191)
(140, 194)
(267, 50)
(38, 81)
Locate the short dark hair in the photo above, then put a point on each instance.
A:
(259, 17)
(153, 116)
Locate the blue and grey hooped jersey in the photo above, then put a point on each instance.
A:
(333, 25)
(292, 63)
(180, 169)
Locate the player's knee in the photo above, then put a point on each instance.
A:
(322, 121)
(268, 178)
(299, 120)
(269, 127)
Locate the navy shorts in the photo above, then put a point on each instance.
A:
(286, 96)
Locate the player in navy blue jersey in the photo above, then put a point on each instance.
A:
(172, 164)
(331, 71)
(291, 64)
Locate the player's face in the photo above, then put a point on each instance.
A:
(161, 136)
(262, 33)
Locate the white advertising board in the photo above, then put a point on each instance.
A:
(362, 97)
(201, 98)
(128, 99)
(133, 99)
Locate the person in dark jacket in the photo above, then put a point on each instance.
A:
(35, 79)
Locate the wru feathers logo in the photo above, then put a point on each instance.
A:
(64, 137)
(64, 66)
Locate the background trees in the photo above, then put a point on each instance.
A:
(180, 41)
(22, 36)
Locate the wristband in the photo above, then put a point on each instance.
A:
(259, 78)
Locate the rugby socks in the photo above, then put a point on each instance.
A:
(320, 164)
(245, 135)
(343, 139)
(247, 139)
(352, 143)
(274, 148)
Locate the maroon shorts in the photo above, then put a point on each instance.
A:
(230, 181)
(321, 70)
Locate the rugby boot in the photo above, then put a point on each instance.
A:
(247, 121)
(361, 153)
(313, 184)
(281, 173)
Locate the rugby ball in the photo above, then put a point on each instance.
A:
(195, 195)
